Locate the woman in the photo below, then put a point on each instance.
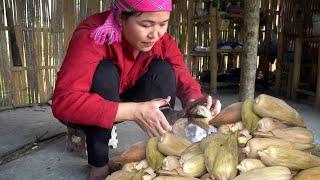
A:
(122, 65)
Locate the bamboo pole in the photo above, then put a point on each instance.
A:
(190, 34)
(317, 103)
(249, 54)
(296, 68)
(213, 54)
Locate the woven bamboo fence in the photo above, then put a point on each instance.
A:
(34, 35)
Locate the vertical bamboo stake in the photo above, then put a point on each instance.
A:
(317, 104)
(249, 54)
(296, 68)
(213, 53)
(190, 34)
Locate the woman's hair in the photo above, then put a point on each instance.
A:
(126, 15)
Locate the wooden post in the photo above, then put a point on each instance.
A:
(190, 34)
(250, 49)
(317, 104)
(213, 54)
(280, 49)
(296, 68)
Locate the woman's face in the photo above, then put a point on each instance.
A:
(144, 30)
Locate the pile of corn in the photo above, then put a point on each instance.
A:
(260, 139)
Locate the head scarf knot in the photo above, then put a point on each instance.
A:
(111, 31)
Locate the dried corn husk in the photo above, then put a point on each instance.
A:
(238, 126)
(293, 159)
(200, 111)
(170, 163)
(257, 144)
(134, 153)
(153, 155)
(173, 178)
(214, 137)
(230, 114)
(210, 153)
(309, 174)
(129, 167)
(268, 106)
(121, 175)
(171, 145)
(248, 117)
(266, 173)
(225, 164)
(243, 137)
(268, 124)
(193, 167)
(250, 164)
(293, 134)
(192, 150)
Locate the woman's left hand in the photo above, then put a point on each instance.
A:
(213, 104)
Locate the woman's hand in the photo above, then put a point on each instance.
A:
(213, 105)
(150, 118)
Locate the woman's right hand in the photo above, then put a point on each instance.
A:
(150, 118)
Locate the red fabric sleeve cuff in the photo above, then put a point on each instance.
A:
(109, 114)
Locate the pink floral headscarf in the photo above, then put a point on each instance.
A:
(111, 31)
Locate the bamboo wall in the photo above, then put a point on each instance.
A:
(34, 35)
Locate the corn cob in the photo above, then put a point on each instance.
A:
(293, 134)
(230, 114)
(153, 155)
(248, 117)
(257, 144)
(266, 173)
(226, 161)
(171, 145)
(268, 124)
(250, 164)
(309, 174)
(293, 159)
(268, 106)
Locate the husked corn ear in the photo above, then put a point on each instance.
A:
(268, 106)
(153, 155)
(214, 137)
(309, 174)
(293, 134)
(266, 173)
(293, 159)
(121, 175)
(257, 144)
(268, 124)
(248, 117)
(210, 153)
(228, 115)
(173, 178)
(250, 164)
(170, 163)
(193, 167)
(243, 137)
(171, 145)
(226, 161)
(192, 150)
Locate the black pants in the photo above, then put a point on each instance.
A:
(158, 82)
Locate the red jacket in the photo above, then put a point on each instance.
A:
(72, 100)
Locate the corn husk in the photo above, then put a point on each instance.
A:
(170, 163)
(148, 174)
(268, 106)
(211, 151)
(138, 175)
(192, 150)
(129, 167)
(293, 134)
(243, 137)
(163, 172)
(309, 174)
(193, 167)
(238, 126)
(314, 151)
(250, 164)
(226, 161)
(171, 145)
(293, 159)
(266, 173)
(225, 128)
(257, 144)
(173, 178)
(200, 115)
(121, 175)
(248, 117)
(214, 137)
(153, 155)
(228, 115)
(205, 177)
(268, 124)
